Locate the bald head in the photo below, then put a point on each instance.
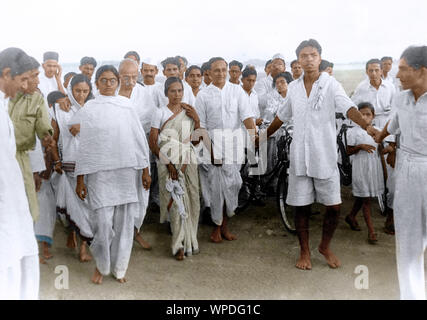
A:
(128, 72)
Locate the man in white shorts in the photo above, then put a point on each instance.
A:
(312, 101)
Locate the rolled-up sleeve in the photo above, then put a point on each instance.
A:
(342, 102)
(393, 125)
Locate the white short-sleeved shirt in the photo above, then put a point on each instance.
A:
(410, 121)
(144, 106)
(160, 117)
(222, 109)
(313, 149)
(253, 104)
(381, 99)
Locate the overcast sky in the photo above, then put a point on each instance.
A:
(235, 29)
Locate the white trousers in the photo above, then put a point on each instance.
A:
(21, 281)
(410, 221)
(113, 238)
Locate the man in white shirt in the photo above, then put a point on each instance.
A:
(130, 88)
(265, 86)
(312, 101)
(296, 69)
(205, 73)
(50, 79)
(410, 203)
(19, 262)
(222, 107)
(386, 66)
(235, 71)
(376, 91)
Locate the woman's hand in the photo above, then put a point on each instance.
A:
(81, 188)
(173, 174)
(58, 167)
(191, 112)
(146, 179)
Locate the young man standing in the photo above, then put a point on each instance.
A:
(312, 101)
(410, 209)
(296, 69)
(222, 107)
(235, 71)
(50, 79)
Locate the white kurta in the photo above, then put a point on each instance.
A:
(47, 85)
(313, 151)
(367, 171)
(410, 198)
(19, 265)
(221, 112)
(381, 99)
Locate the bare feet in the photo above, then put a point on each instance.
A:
(180, 255)
(84, 256)
(352, 222)
(216, 235)
(122, 280)
(228, 235)
(144, 244)
(97, 277)
(304, 262)
(42, 261)
(72, 240)
(46, 254)
(331, 259)
(372, 238)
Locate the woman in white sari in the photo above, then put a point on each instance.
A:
(113, 157)
(170, 140)
(77, 211)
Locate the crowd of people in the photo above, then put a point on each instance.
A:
(96, 150)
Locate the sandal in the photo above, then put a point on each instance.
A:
(352, 223)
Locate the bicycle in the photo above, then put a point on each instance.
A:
(254, 187)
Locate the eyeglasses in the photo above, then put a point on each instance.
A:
(112, 81)
(129, 78)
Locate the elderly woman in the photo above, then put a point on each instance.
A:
(112, 168)
(170, 140)
(77, 212)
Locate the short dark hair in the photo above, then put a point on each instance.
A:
(236, 63)
(373, 61)
(171, 60)
(205, 67)
(215, 59)
(132, 53)
(15, 59)
(191, 68)
(324, 64)
(68, 74)
(105, 68)
(249, 71)
(309, 43)
(293, 62)
(267, 63)
(386, 58)
(53, 96)
(170, 81)
(88, 60)
(183, 59)
(368, 105)
(35, 63)
(415, 56)
(286, 75)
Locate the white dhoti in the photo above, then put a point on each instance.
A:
(45, 225)
(410, 220)
(20, 281)
(225, 185)
(113, 238)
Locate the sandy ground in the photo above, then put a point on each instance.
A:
(259, 265)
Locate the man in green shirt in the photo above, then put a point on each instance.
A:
(30, 117)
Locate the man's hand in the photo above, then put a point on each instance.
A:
(58, 74)
(368, 148)
(37, 181)
(64, 104)
(58, 167)
(81, 188)
(146, 179)
(48, 143)
(75, 129)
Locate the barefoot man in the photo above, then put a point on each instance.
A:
(312, 102)
(223, 106)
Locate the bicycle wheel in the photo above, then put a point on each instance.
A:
(287, 213)
(245, 191)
